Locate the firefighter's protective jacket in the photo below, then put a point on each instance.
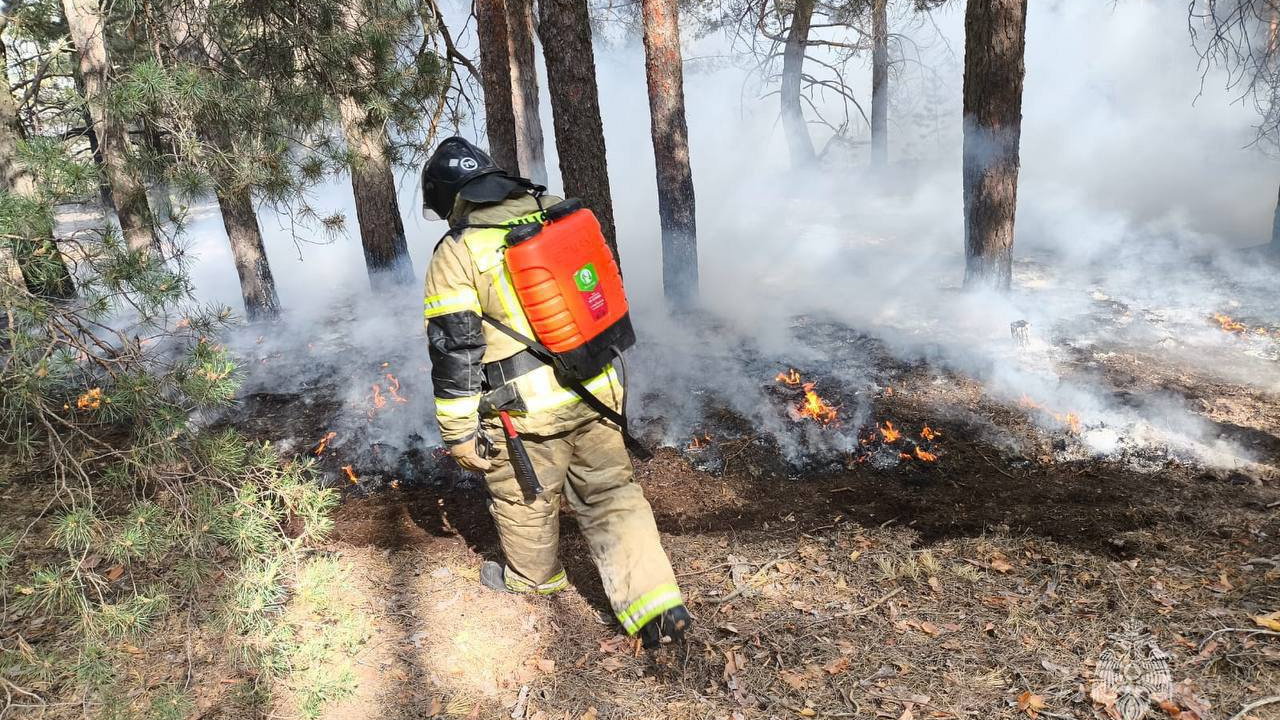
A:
(468, 278)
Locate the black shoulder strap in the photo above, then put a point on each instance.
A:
(543, 353)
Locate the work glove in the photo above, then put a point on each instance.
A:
(467, 455)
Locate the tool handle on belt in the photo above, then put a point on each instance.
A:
(520, 461)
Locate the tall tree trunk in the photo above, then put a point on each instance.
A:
(386, 252)
(879, 82)
(565, 31)
(663, 69)
(524, 87)
(793, 123)
(495, 75)
(85, 22)
(257, 286)
(995, 43)
(51, 277)
(1275, 228)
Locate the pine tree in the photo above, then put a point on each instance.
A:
(565, 30)
(879, 82)
(495, 76)
(88, 30)
(663, 68)
(793, 122)
(524, 81)
(994, 49)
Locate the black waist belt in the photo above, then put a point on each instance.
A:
(501, 372)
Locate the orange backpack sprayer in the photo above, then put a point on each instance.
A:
(571, 289)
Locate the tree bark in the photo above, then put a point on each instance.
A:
(53, 279)
(793, 123)
(565, 31)
(995, 44)
(386, 252)
(665, 75)
(495, 76)
(257, 285)
(1275, 228)
(879, 82)
(524, 86)
(88, 32)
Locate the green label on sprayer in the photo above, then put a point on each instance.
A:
(585, 278)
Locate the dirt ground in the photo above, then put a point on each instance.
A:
(983, 585)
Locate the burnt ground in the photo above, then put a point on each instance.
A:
(988, 583)
(828, 579)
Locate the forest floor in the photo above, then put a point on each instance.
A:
(1014, 575)
(1003, 579)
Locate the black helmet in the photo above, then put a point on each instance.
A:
(459, 168)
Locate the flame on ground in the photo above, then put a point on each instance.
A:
(393, 388)
(351, 474)
(1229, 324)
(1069, 419)
(698, 443)
(924, 456)
(889, 432)
(323, 445)
(378, 400)
(929, 433)
(91, 400)
(817, 408)
(790, 377)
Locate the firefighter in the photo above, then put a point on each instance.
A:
(578, 455)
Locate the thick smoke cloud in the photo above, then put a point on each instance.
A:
(1137, 189)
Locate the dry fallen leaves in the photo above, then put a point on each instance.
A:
(1031, 703)
(591, 714)
(1000, 564)
(1270, 621)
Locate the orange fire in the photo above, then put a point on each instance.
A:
(925, 456)
(929, 433)
(351, 474)
(323, 445)
(378, 400)
(1028, 403)
(393, 387)
(790, 377)
(815, 407)
(91, 400)
(698, 443)
(1071, 420)
(889, 432)
(1228, 324)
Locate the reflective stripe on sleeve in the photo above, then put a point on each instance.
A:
(463, 407)
(445, 303)
(649, 606)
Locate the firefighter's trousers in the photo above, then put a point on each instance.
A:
(590, 468)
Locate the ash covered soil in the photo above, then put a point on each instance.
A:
(833, 570)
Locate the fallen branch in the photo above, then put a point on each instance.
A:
(1255, 705)
(1248, 631)
(747, 585)
(863, 611)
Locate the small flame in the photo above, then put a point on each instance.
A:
(1026, 402)
(698, 443)
(1072, 422)
(889, 432)
(395, 484)
(790, 377)
(378, 400)
(393, 387)
(815, 407)
(929, 433)
(1229, 324)
(925, 456)
(91, 400)
(351, 474)
(323, 445)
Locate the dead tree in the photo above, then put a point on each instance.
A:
(663, 69)
(1241, 37)
(495, 77)
(565, 30)
(88, 32)
(386, 252)
(879, 82)
(995, 41)
(524, 86)
(793, 122)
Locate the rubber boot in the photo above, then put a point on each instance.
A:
(669, 627)
(493, 576)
